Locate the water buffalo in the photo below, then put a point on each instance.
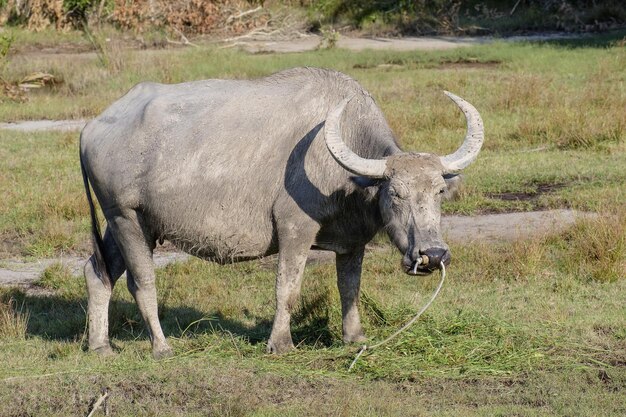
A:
(231, 170)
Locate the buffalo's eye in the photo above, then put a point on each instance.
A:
(443, 190)
(399, 191)
(394, 193)
(395, 199)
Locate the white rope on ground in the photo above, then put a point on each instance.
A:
(408, 324)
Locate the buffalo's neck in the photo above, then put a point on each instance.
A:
(351, 222)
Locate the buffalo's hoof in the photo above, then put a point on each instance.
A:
(103, 351)
(163, 353)
(356, 338)
(281, 347)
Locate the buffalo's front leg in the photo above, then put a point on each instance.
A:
(294, 244)
(348, 282)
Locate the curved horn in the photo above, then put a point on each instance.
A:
(473, 141)
(373, 168)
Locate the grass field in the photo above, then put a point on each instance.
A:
(534, 327)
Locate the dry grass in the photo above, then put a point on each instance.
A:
(596, 249)
(197, 17)
(13, 320)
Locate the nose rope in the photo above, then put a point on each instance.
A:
(408, 324)
(421, 260)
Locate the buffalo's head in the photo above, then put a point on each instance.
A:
(410, 188)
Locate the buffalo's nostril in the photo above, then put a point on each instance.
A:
(436, 256)
(446, 258)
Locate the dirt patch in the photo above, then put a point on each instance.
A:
(540, 189)
(389, 65)
(295, 42)
(45, 125)
(15, 272)
(64, 48)
(508, 226)
(465, 63)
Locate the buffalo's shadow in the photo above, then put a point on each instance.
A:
(296, 181)
(60, 318)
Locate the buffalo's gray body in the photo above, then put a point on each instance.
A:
(212, 165)
(230, 170)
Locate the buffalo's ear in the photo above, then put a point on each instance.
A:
(453, 186)
(365, 182)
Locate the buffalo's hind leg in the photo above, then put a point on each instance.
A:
(99, 288)
(349, 282)
(136, 247)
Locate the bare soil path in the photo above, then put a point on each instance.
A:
(460, 229)
(311, 42)
(45, 125)
(293, 42)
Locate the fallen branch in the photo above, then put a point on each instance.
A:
(36, 80)
(184, 40)
(234, 44)
(254, 34)
(99, 401)
(173, 42)
(243, 14)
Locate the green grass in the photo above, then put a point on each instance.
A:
(526, 339)
(531, 81)
(533, 327)
(49, 38)
(42, 210)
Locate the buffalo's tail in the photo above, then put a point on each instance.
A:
(98, 260)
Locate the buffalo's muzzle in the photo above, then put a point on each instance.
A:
(429, 260)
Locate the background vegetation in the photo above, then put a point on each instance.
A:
(372, 16)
